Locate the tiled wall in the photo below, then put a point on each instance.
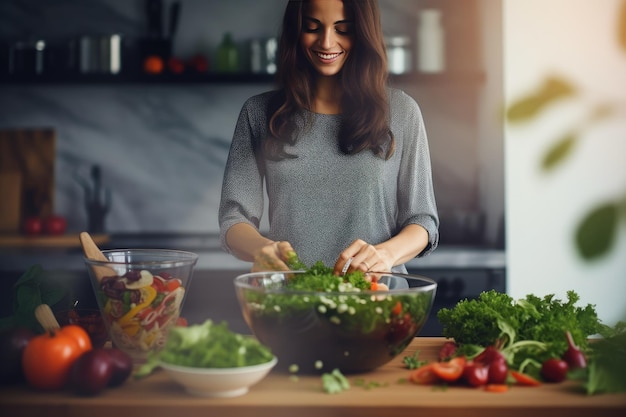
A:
(162, 148)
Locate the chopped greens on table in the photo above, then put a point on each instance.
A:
(207, 345)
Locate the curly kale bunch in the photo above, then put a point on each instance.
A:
(480, 321)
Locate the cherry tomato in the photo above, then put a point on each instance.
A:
(423, 375)
(175, 65)
(48, 358)
(451, 370)
(55, 225)
(498, 371)
(32, 226)
(554, 370)
(199, 63)
(447, 351)
(172, 284)
(397, 309)
(153, 64)
(476, 374)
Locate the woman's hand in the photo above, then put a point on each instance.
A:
(362, 256)
(273, 257)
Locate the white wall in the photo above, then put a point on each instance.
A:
(577, 40)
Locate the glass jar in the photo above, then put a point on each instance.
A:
(398, 54)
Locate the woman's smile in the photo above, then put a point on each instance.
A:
(327, 35)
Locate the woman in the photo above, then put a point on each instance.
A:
(343, 157)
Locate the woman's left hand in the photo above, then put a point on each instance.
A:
(362, 256)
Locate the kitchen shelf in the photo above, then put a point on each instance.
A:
(469, 77)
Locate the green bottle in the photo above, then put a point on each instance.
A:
(227, 55)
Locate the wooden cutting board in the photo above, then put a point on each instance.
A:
(29, 153)
(10, 201)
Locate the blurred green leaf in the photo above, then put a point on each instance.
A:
(527, 107)
(621, 27)
(559, 151)
(596, 234)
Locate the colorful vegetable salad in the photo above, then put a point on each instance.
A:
(139, 308)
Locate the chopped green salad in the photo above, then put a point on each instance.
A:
(207, 345)
(322, 279)
(341, 299)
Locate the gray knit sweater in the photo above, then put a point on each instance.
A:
(323, 200)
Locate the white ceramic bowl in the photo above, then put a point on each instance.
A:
(218, 382)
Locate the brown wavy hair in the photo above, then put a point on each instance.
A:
(363, 81)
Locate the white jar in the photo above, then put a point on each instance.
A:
(431, 42)
(398, 54)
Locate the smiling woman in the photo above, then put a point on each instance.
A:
(351, 149)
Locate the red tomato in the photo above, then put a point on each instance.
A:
(397, 309)
(524, 379)
(181, 321)
(158, 284)
(32, 226)
(153, 64)
(423, 375)
(476, 374)
(447, 351)
(48, 358)
(199, 63)
(554, 370)
(55, 225)
(498, 371)
(175, 65)
(451, 370)
(172, 284)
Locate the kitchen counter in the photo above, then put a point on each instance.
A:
(281, 395)
(213, 257)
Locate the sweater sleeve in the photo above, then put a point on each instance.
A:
(416, 196)
(242, 186)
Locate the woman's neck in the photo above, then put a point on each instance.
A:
(327, 97)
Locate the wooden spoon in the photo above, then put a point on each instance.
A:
(46, 318)
(92, 251)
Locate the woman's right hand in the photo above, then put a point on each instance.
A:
(273, 257)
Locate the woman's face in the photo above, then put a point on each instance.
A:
(327, 35)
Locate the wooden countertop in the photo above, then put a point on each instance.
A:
(280, 395)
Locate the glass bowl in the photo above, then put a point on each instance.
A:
(316, 332)
(140, 293)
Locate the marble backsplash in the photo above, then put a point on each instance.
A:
(162, 148)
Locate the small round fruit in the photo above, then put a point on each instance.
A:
(32, 226)
(498, 372)
(476, 374)
(554, 370)
(91, 372)
(121, 365)
(55, 225)
(12, 344)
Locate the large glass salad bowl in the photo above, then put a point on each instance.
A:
(348, 329)
(140, 293)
